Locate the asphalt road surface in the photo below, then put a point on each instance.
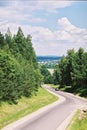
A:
(53, 117)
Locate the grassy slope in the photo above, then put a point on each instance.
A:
(10, 113)
(79, 121)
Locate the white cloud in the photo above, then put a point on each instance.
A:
(65, 24)
(69, 32)
(51, 5)
(58, 42)
(19, 11)
(47, 42)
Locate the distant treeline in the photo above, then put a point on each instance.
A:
(48, 58)
(71, 70)
(19, 73)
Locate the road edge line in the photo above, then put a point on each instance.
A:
(66, 121)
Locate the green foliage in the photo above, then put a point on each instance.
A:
(19, 72)
(47, 77)
(56, 75)
(1, 40)
(9, 77)
(72, 71)
(79, 74)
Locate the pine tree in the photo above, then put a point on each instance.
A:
(1, 40)
(19, 72)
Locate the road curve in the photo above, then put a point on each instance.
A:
(52, 118)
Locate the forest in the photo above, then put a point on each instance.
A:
(19, 71)
(71, 71)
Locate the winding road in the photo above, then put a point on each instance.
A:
(52, 116)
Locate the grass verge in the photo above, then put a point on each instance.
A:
(58, 86)
(53, 86)
(10, 113)
(79, 121)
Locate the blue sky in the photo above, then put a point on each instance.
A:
(55, 26)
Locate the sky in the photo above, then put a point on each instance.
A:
(55, 26)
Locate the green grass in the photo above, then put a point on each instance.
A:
(78, 122)
(58, 86)
(10, 113)
(53, 86)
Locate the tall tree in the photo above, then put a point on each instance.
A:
(19, 72)
(80, 70)
(1, 40)
(56, 75)
(8, 38)
(47, 77)
(72, 70)
(70, 65)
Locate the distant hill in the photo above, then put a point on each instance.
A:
(48, 58)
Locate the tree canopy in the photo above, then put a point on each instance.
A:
(19, 72)
(72, 71)
(47, 77)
